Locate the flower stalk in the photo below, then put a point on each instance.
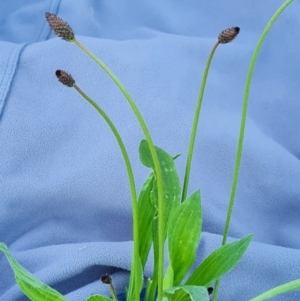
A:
(243, 125)
(63, 30)
(226, 36)
(68, 81)
(157, 168)
(107, 280)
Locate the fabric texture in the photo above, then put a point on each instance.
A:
(65, 209)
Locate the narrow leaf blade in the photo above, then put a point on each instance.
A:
(170, 177)
(33, 288)
(281, 289)
(183, 236)
(132, 288)
(220, 262)
(152, 289)
(168, 278)
(186, 293)
(146, 214)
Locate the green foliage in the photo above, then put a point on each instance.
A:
(278, 290)
(170, 178)
(149, 196)
(136, 280)
(146, 213)
(158, 215)
(33, 288)
(183, 236)
(186, 293)
(219, 262)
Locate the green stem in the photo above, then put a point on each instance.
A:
(242, 127)
(131, 183)
(148, 287)
(195, 124)
(113, 292)
(161, 231)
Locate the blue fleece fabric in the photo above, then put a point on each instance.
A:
(65, 209)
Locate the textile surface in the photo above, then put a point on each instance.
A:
(65, 209)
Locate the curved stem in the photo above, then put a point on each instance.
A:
(130, 177)
(242, 126)
(195, 125)
(154, 158)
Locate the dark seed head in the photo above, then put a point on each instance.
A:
(106, 279)
(60, 27)
(65, 78)
(210, 290)
(227, 35)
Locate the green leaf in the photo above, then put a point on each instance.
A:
(152, 290)
(146, 214)
(132, 288)
(145, 155)
(98, 298)
(169, 278)
(33, 288)
(281, 289)
(183, 236)
(171, 199)
(220, 262)
(186, 293)
(148, 289)
(170, 178)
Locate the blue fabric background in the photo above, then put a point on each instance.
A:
(65, 209)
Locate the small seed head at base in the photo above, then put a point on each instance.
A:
(65, 78)
(106, 279)
(60, 27)
(227, 35)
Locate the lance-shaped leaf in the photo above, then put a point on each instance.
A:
(169, 176)
(186, 293)
(220, 262)
(33, 288)
(146, 211)
(152, 286)
(183, 236)
(278, 290)
(132, 287)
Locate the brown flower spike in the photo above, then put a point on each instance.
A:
(227, 35)
(60, 27)
(65, 78)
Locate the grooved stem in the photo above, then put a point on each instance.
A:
(242, 127)
(157, 168)
(195, 124)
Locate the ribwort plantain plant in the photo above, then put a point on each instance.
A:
(161, 212)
